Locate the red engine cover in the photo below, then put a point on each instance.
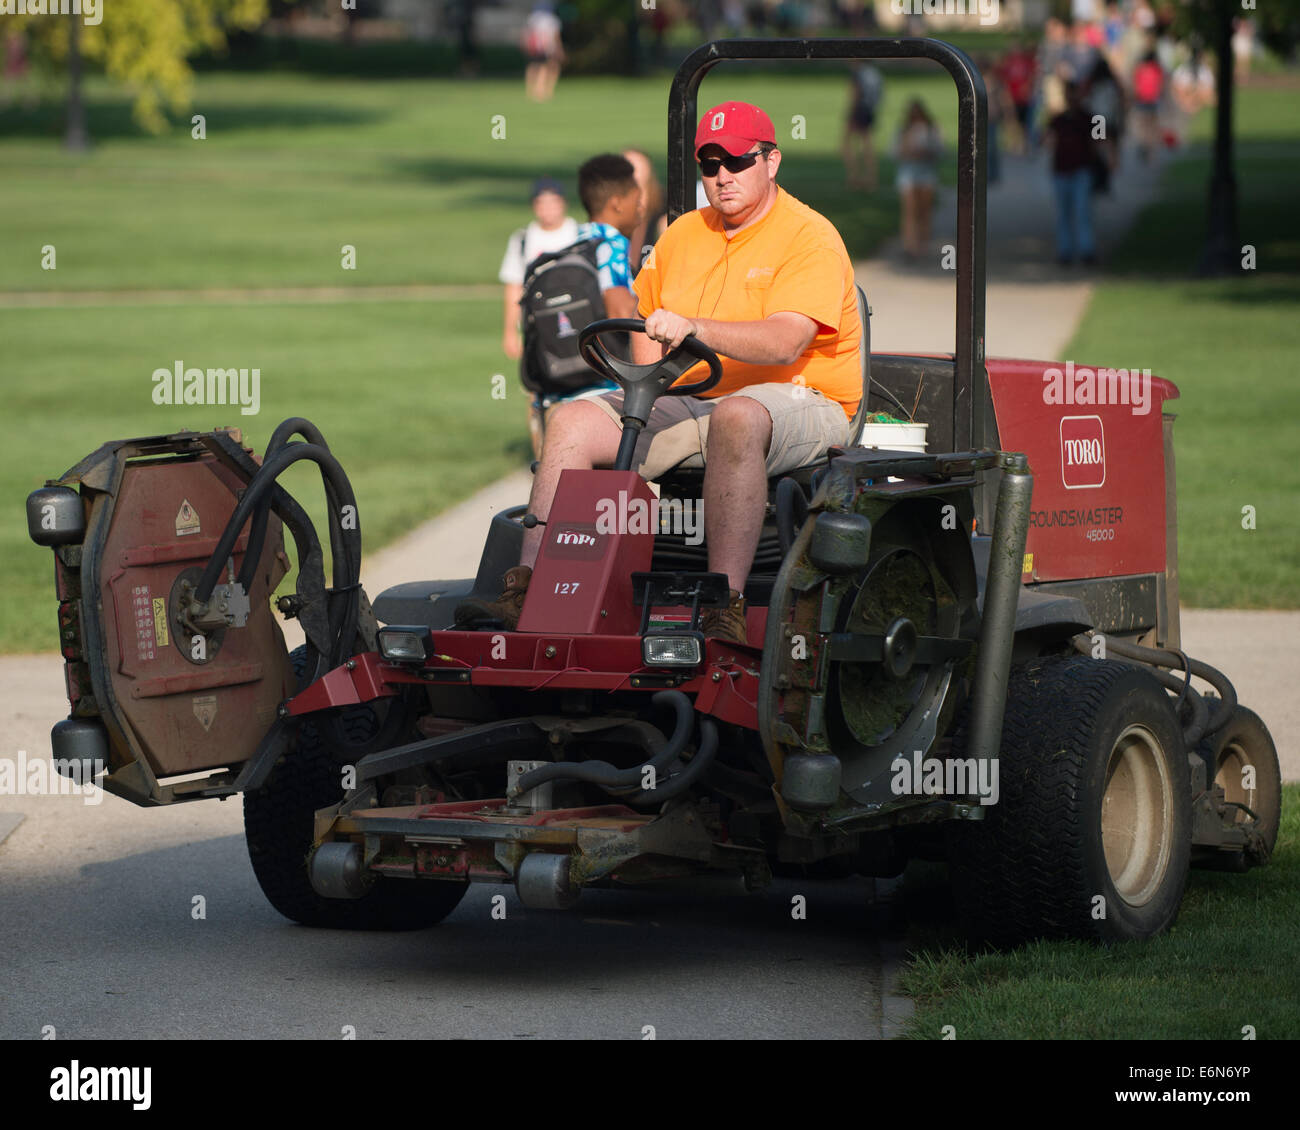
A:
(1096, 448)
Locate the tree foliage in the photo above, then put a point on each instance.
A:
(1277, 22)
(143, 44)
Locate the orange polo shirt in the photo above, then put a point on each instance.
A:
(791, 259)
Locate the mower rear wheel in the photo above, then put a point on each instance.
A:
(1091, 836)
(279, 829)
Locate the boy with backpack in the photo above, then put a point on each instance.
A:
(609, 192)
(567, 290)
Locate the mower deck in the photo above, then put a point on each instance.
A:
(490, 841)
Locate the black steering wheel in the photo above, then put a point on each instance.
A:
(658, 375)
(642, 385)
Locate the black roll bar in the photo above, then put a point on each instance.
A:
(970, 385)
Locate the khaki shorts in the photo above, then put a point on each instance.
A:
(804, 424)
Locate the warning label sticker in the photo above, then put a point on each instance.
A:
(142, 607)
(187, 520)
(205, 710)
(160, 621)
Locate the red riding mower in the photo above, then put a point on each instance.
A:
(947, 659)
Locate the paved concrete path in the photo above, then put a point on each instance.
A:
(100, 940)
(1032, 305)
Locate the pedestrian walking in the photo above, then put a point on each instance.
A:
(550, 230)
(917, 149)
(544, 50)
(1069, 136)
(859, 149)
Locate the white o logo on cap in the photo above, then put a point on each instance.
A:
(718, 120)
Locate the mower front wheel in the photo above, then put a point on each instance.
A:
(1091, 836)
(279, 829)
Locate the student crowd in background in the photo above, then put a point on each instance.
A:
(1110, 80)
(1115, 71)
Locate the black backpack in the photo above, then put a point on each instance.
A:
(562, 296)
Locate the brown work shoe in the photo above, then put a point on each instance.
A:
(727, 623)
(505, 609)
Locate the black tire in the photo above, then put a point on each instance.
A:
(1244, 741)
(1092, 765)
(278, 827)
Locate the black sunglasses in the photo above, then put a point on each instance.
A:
(709, 166)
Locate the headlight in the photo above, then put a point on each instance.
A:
(675, 650)
(405, 644)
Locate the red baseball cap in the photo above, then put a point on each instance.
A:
(735, 126)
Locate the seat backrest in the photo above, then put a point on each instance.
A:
(859, 417)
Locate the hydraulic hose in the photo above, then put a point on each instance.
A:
(295, 425)
(340, 549)
(678, 783)
(1202, 723)
(346, 567)
(340, 606)
(603, 773)
(336, 612)
(1194, 729)
(257, 489)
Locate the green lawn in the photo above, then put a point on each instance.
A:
(293, 167)
(1230, 346)
(1231, 959)
(408, 172)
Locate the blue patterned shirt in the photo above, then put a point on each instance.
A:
(611, 254)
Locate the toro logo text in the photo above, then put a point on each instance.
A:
(1083, 452)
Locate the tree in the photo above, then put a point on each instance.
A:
(1277, 24)
(143, 44)
(604, 35)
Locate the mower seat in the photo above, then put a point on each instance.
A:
(433, 603)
